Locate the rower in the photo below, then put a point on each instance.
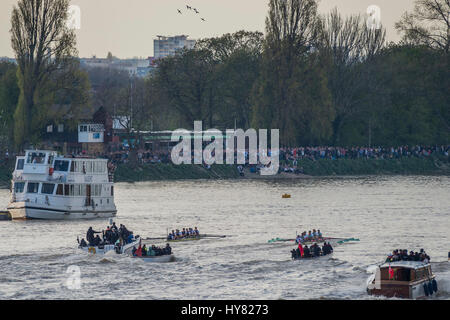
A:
(319, 234)
(197, 233)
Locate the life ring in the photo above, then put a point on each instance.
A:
(92, 250)
(435, 286)
(425, 289)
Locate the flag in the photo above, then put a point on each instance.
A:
(138, 252)
(391, 273)
(300, 247)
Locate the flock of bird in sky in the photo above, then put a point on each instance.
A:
(192, 9)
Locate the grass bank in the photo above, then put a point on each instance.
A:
(343, 167)
(349, 167)
(156, 172)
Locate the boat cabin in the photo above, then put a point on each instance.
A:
(405, 281)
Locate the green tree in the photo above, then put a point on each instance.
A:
(43, 45)
(187, 79)
(9, 95)
(292, 94)
(237, 60)
(349, 44)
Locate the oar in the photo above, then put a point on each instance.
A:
(156, 238)
(212, 236)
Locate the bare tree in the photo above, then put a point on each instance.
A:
(292, 24)
(348, 42)
(428, 24)
(43, 44)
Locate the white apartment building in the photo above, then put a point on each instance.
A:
(168, 46)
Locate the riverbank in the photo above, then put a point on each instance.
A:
(350, 167)
(317, 168)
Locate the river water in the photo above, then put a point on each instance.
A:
(385, 213)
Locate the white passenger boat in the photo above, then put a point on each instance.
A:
(48, 186)
(100, 250)
(408, 279)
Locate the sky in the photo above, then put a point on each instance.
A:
(127, 27)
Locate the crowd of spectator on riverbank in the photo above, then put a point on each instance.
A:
(334, 153)
(303, 153)
(288, 157)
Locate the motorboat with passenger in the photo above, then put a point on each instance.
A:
(104, 249)
(403, 279)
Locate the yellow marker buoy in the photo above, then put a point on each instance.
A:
(286, 196)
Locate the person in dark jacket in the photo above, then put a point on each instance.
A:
(168, 249)
(306, 252)
(90, 235)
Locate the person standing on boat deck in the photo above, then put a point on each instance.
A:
(90, 235)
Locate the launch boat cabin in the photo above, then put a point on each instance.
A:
(403, 279)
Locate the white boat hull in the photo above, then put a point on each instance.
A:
(110, 248)
(22, 211)
(159, 259)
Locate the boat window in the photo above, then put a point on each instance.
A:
(112, 190)
(421, 273)
(60, 190)
(19, 187)
(66, 189)
(61, 165)
(403, 274)
(47, 188)
(32, 187)
(36, 157)
(50, 159)
(20, 164)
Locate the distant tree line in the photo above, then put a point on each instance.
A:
(320, 79)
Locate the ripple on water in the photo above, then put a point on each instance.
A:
(383, 212)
